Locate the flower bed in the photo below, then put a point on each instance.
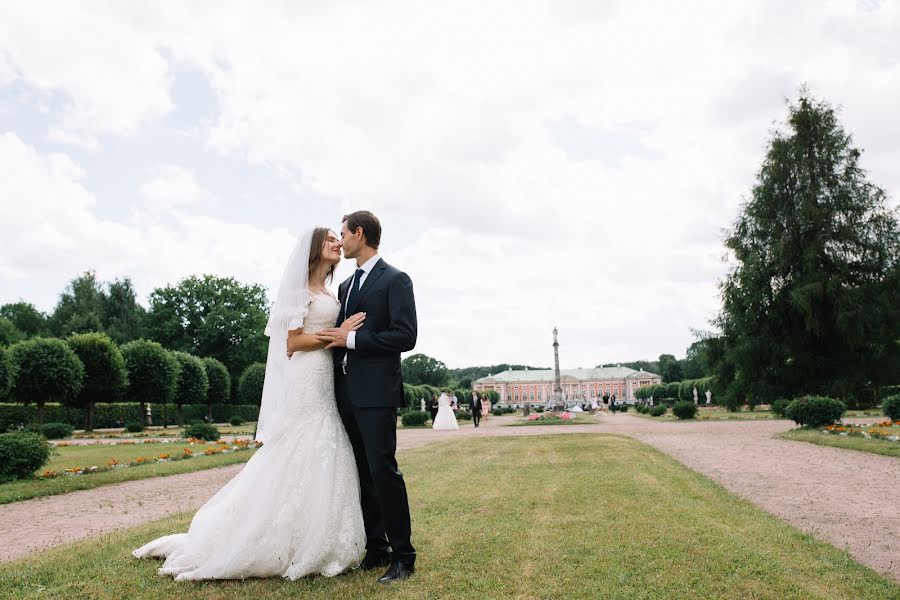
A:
(221, 447)
(551, 416)
(885, 430)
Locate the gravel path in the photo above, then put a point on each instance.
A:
(847, 498)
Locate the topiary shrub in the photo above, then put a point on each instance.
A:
(105, 377)
(657, 411)
(152, 374)
(236, 421)
(464, 415)
(891, 407)
(56, 431)
(498, 412)
(192, 384)
(780, 406)
(250, 386)
(624, 407)
(414, 418)
(21, 454)
(685, 409)
(539, 409)
(815, 411)
(46, 370)
(202, 431)
(134, 427)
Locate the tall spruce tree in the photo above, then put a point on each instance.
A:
(812, 302)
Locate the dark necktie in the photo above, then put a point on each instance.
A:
(354, 291)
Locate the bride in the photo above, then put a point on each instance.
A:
(445, 418)
(294, 509)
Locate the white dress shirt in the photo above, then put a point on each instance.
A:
(367, 268)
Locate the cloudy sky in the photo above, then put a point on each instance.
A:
(568, 163)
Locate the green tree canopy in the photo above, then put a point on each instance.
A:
(211, 316)
(811, 304)
(152, 373)
(105, 378)
(250, 386)
(26, 318)
(122, 316)
(219, 381)
(9, 334)
(669, 368)
(7, 375)
(47, 370)
(420, 368)
(80, 307)
(193, 383)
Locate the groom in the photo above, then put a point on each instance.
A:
(369, 390)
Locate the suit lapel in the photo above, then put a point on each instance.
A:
(342, 295)
(377, 271)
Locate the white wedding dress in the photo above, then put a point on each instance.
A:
(294, 508)
(445, 419)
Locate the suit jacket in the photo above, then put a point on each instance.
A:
(475, 405)
(373, 368)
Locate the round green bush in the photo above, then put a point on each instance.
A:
(414, 418)
(657, 411)
(56, 431)
(21, 454)
(219, 391)
(202, 431)
(236, 421)
(685, 409)
(780, 406)
(464, 415)
(891, 407)
(540, 408)
(47, 370)
(498, 412)
(250, 386)
(815, 411)
(152, 372)
(134, 427)
(193, 383)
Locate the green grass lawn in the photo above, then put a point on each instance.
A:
(85, 456)
(580, 419)
(814, 436)
(575, 516)
(715, 414)
(173, 431)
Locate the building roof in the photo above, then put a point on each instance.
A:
(546, 375)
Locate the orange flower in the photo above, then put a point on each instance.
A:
(112, 462)
(164, 456)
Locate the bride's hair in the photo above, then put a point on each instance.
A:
(315, 251)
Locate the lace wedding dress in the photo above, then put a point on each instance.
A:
(294, 508)
(445, 419)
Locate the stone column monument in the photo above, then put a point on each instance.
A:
(557, 388)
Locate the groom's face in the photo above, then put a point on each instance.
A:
(351, 241)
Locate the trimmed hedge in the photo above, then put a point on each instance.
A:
(56, 431)
(414, 418)
(891, 407)
(685, 409)
(108, 415)
(815, 411)
(780, 406)
(658, 410)
(21, 454)
(202, 431)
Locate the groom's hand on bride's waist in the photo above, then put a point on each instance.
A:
(335, 336)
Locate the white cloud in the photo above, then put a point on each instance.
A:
(535, 163)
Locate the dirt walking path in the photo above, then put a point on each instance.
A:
(847, 498)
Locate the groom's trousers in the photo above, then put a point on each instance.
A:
(385, 505)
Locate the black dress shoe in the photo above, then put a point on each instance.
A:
(399, 571)
(375, 559)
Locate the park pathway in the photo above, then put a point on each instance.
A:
(847, 498)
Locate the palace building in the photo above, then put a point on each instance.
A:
(578, 385)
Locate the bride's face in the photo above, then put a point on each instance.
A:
(331, 249)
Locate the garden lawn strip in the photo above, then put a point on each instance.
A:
(562, 516)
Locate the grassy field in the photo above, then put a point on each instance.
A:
(580, 419)
(576, 516)
(860, 444)
(172, 431)
(85, 456)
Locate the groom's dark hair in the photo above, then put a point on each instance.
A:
(370, 224)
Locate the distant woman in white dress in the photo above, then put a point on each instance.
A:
(445, 418)
(294, 509)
